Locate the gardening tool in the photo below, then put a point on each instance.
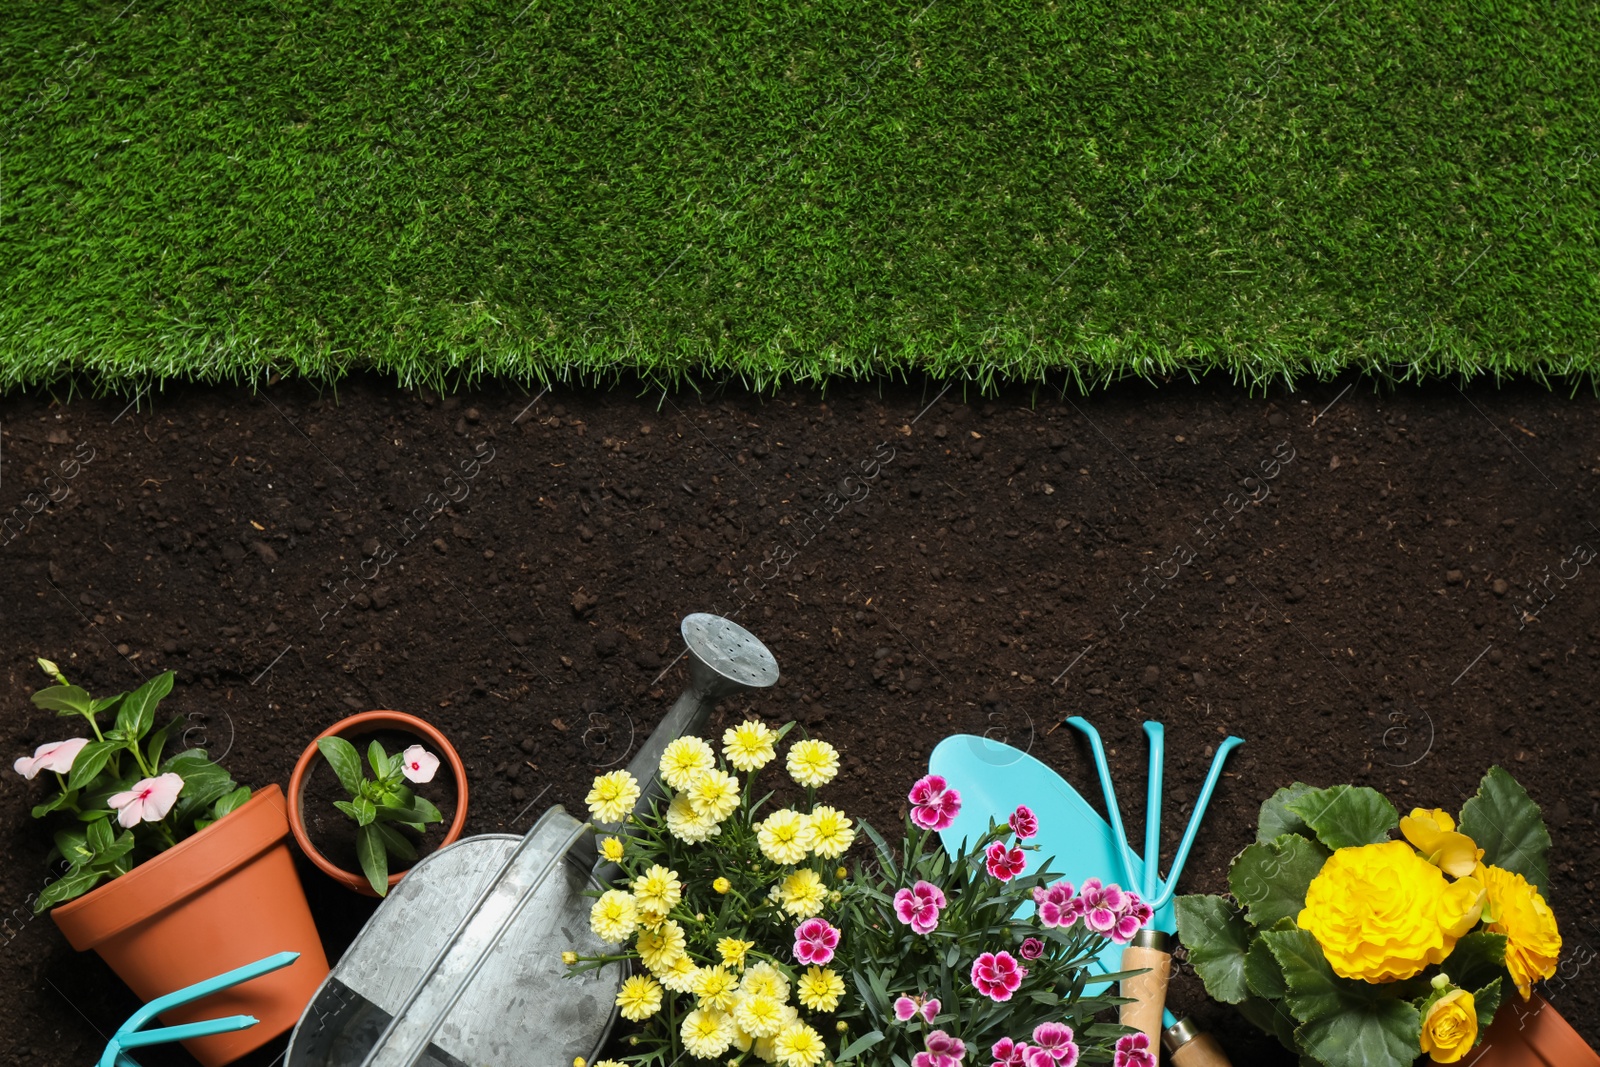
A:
(461, 964)
(995, 778)
(129, 1035)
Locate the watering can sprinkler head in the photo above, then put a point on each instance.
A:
(725, 658)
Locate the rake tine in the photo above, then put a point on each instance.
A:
(1171, 884)
(1152, 810)
(1082, 725)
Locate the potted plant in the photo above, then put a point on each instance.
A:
(749, 942)
(164, 854)
(1356, 948)
(356, 827)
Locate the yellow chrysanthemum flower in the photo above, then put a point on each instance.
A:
(612, 797)
(613, 917)
(799, 1046)
(687, 824)
(639, 998)
(1382, 913)
(803, 893)
(657, 889)
(759, 1016)
(749, 746)
(1533, 941)
(765, 980)
(820, 989)
(662, 947)
(713, 794)
(832, 831)
(785, 836)
(611, 849)
(707, 1034)
(683, 759)
(813, 763)
(732, 951)
(678, 975)
(715, 988)
(721, 885)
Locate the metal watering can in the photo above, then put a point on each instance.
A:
(461, 964)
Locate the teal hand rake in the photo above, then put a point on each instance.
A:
(129, 1035)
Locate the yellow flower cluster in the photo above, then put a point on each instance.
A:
(1533, 942)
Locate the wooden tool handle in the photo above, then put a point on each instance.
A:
(1148, 990)
(1202, 1051)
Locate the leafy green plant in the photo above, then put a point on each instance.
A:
(120, 777)
(382, 804)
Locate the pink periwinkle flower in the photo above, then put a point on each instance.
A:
(814, 941)
(1032, 948)
(1024, 823)
(1134, 1051)
(934, 805)
(418, 764)
(997, 975)
(1009, 1053)
(918, 907)
(1055, 1039)
(148, 801)
(1005, 864)
(54, 756)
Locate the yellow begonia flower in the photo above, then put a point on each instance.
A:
(1450, 1028)
(1382, 913)
(1533, 941)
(1434, 835)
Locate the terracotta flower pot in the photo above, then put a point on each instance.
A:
(225, 897)
(1531, 1034)
(367, 722)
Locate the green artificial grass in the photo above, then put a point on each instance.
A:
(796, 190)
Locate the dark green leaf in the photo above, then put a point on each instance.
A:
(1216, 936)
(103, 703)
(138, 710)
(1346, 815)
(1478, 959)
(74, 883)
(860, 1044)
(1315, 992)
(426, 811)
(1262, 973)
(374, 861)
(60, 800)
(1271, 1017)
(90, 760)
(345, 761)
(119, 848)
(346, 807)
(229, 801)
(1271, 879)
(380, 762)
(1376, 1033)
(366, 811)
(99, 836)
(187, 762)
(1485, 1002)
(64, 700)
(395, 842)
(158, 743)
(73, 846)
(1276, 819)
(1505, 822)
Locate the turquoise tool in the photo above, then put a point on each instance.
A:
(129, 1035)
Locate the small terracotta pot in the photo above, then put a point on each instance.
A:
(367, 722)
(223, 898)
(1530, 1034)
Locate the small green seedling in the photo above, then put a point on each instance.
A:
(382, 804)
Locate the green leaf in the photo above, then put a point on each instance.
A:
(1485, 1002)
(1506, 824)
(103, 703)
(1271, 1018)
(345, 761)
(229, 801)
(64, 700)
(425, 810)
(99, 836)
(1216, 937)
(395, 843)
(374, 860)
(1478, 959)
(860, 1044)
(118, 849)
(1382, 1033)
(1346, 815)
(380, 762)
(58, 801)
(346, 807)
(1262, 974)
(158, 743)
(365, 810)
(138, 709)
(74, 883)
(1277, 820)
(73, 846)
(1271, 879)
(89, 762)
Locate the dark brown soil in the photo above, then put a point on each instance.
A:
(333, 833)
(1007, 562)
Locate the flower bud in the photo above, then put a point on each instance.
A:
(569, 958)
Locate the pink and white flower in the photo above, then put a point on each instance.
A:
(934, 805)
(1055, 1040)
(148, 801)
(1038, 1057)
(1032, 948)
(418, 764)
(908, 1008)
(55, 756)
(1003, 863)
(942, 1051)
(1134, 1051)
(1009, 1053)
(918, 907)
(1024, 823)
(815, 941)
(997, 975)
(1057, 906)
